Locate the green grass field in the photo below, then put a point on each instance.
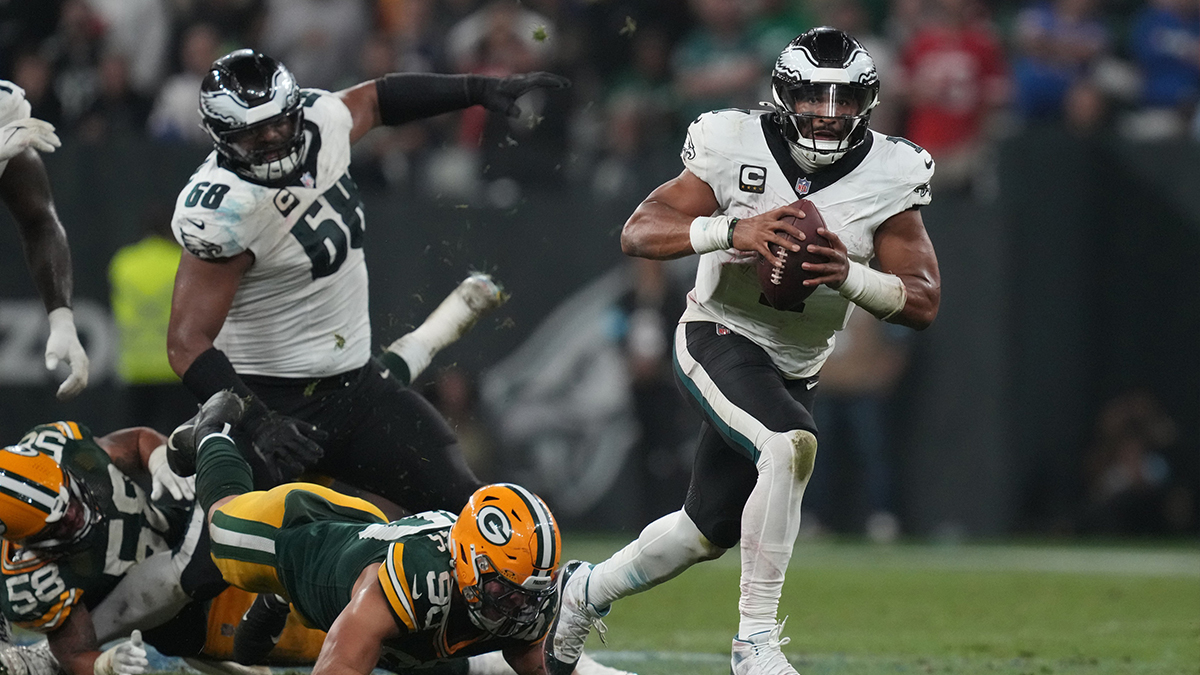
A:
(996, 609)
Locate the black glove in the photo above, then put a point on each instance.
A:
(500, 94)
(285, 444)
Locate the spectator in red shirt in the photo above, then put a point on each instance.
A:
(956, 77)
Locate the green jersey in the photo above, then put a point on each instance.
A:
(320, 549)
(41, 590)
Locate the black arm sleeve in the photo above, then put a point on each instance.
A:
(404, 97)
(212, 372)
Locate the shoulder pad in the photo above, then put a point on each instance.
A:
(395, 587)
(214, 214)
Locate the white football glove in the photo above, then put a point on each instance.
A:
(165, 481)
(64, 344)
(29, 132)
(127, 658)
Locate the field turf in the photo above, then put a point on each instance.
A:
(864, 609)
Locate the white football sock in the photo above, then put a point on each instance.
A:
(665, 548)
(451, 320)
(770, 523)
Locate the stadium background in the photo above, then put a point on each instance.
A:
(1067, 254)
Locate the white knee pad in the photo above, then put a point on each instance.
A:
(788, 456)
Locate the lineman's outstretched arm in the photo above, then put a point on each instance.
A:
(403, 97)
(25, 189)
(677, 220)
(356, 637)
(204, 292)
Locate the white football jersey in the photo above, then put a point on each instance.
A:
(13, 107)
(744, 158)
(301, 309)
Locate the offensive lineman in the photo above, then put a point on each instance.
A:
(752, 370)
(25, 190)
(270, 298)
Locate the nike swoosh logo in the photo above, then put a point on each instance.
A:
(812, 384)
(199, 225)
(415, 593)
(929, 164)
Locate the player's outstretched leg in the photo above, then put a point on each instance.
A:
(409, 355)
(217, 416)
(260, 628)
(573, 621)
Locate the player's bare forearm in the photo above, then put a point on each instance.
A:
(130, 448)
(659, 228)
(355, 639)
(904, 249)
(528, 660)
(204, 292)
(25, 189)
(74, 644)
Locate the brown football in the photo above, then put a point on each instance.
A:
(782, 286)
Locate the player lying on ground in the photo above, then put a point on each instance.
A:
(412, 592)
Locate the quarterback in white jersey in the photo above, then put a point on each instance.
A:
(270, 298)
(751, 370)
(25, 190)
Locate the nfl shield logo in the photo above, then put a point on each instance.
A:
(802, 185)
(722, 330)
(308, 181)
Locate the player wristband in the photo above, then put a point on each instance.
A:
(883, 295)
(712, 233)
(212, 372)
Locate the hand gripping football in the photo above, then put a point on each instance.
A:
(782, 286)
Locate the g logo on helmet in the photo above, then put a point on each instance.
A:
(494, 525)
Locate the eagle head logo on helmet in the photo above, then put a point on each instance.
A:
(824, 87)
(250, 106)
(505, 547)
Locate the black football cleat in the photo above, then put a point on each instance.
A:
(260, 629)
(217, 416)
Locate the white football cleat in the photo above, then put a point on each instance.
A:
(574, 621)
(762, 653)
(477, 295)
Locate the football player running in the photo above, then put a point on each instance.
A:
(752, 370)
(270, 297)
(413, 592)
(25, 190)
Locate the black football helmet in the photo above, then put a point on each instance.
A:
(824, 66)
(250, 105)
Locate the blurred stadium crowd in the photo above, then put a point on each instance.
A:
(956, 74)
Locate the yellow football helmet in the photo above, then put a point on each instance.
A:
(42, 506)
(505, 546)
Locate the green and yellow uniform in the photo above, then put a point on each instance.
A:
(40, 590)
(310, 544)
